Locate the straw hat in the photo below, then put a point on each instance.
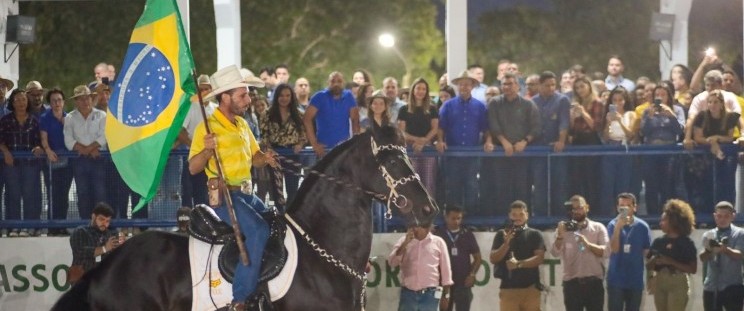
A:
(8, 83)
(203, 79)
(465, 75)
(34, 86)
(251, 79)
(225, 79)
(81, 90)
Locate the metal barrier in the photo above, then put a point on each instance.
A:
(492, 184)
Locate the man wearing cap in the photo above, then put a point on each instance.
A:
(723, 246)
(582, 247)
(329, 113)
(36, 98)
(462, 121)
(238, 150)
(84, 134)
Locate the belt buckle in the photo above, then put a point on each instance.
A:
(246, 187)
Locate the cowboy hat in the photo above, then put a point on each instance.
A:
(251, 79)
(203, 79)
(8, 83)
(225, 79)
(34, 85)
(465, 75)
(374, 96)
(81, 90)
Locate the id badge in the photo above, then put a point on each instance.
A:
(454, 251)
(626, 248)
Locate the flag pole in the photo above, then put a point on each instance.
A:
(222, 185)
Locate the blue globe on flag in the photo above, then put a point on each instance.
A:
(135, 101)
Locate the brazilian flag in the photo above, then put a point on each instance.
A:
(150, 98)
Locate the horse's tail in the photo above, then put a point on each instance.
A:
(76, 299)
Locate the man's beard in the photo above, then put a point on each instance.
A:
(336, 91)
(580, 218)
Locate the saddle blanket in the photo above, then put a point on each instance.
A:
(210, 290)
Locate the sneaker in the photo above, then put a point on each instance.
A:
(42, 232)
(23, 233)
(13, 233)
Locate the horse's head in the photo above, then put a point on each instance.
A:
(403, 186)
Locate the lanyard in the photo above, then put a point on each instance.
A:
(457, 236)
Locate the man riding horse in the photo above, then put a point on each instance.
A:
(232, 142)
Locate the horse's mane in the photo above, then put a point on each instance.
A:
(382, 135)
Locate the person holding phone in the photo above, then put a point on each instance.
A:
(92, 242)
(630, 241)
(662, 123)
(616, 170)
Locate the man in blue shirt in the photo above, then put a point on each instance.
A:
(479, 91)
(629, 243)
(723, 286)
(462, 119)
(331, 110)
(615, 77)
(554, 109)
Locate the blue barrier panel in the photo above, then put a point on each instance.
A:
(542, 162)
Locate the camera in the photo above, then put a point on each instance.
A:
(571, 226)
(718, 242)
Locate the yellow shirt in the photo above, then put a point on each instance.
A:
(636, 129)
(236, 146)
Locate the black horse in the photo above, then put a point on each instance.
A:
(151, 271)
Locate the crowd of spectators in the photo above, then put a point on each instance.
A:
(514, 113)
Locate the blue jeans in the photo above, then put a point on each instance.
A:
(90, 182)
(659, 172)
(557, 177)
(58, 182)
(248, 210)
(623, 299)
(24, 185)
(418, 300)
(616, 175)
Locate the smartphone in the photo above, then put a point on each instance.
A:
(105, 80)
(623, 210)
(657, 104)
(612, 108)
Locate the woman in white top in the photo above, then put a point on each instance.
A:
(620, 116)
(616, 170)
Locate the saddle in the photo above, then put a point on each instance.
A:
(206, 226)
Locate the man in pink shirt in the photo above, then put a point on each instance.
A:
(425, 264)
(582, 247)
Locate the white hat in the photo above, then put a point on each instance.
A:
(251, 79)
(225, 79)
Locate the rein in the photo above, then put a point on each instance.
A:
(398, 199)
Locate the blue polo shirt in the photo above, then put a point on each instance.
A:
(554, 117)
(332, 122)
(54, 128)
(463, 121)
(626, 268)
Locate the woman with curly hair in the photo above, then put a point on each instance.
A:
(673, 257)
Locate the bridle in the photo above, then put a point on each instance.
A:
(398, 199)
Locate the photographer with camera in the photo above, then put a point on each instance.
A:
(582, 246)
(672, 257)
(723, 286)
(629, 243)
(517, 253)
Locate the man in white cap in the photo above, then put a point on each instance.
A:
(36, 98)
(238, 151)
